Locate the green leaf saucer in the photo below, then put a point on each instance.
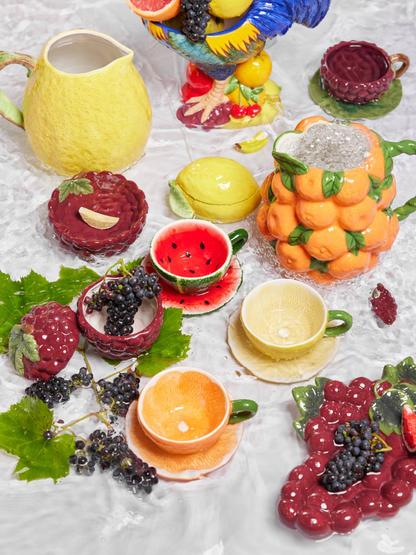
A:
(373, 110)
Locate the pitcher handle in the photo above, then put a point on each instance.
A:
(238, 239)
(403, 147)
(404, 61)
(403, 211)
(7, 109)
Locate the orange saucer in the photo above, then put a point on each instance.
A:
(181, 467)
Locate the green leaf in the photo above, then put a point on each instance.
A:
(171, 346)
(231, 87)
(258, 90)
(255, 97)
(388, 160)
(344, 110)
(390, 407)
(355, 241)
(406, 370)
(288, 180)
(300, 235)
(389, 212)
(245, 91)
(273, 244)
(112, 362)
(320, 265)
(21, 434)
(289, 163)
(77, 187)
(332, 183)
(377, 186)
(17, 298)
(270, 195)
(178, 202)
(21, 345)
(309, 400)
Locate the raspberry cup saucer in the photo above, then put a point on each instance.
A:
(147, 323)
(182, 467)
(107, 196)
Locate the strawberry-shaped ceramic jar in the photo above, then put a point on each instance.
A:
(44, 341)
(97, 213)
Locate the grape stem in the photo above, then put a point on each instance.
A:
(126, 369)
(102, 413)
(123, 268)
(381, 440)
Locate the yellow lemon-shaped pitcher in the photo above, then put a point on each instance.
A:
(85, 106)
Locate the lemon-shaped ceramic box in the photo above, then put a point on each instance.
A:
(85, 106)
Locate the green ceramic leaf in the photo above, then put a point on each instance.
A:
(245, 91)
(273, 244)
(389, 212)
(320, 265)
(258, 90)
(255, 97)
(300, 235)
(388, 102)
(231, 87)
(270, 195)
(171, 346)
(406, 370)
(288, 180)
(178, 202)
(21, 345)
(309, 400)
(290, 164)
(390, 407)
(21, 434)
(77, 187)
(388, 160)
(17, 298)
(332, 183)
(355, 241)
(377, 186)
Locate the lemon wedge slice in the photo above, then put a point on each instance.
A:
(97, 220)
(279, 371)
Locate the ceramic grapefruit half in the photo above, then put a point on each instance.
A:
(155, 10)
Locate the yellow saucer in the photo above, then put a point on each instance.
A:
(181, 467)
(279, 371)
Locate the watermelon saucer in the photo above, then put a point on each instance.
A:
(212, 300)
(182, 468)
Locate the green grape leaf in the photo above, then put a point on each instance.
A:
(288, 180)
(178, 202)
(390, 406)
(128, 265)
(320, 265)
(21, 345)
(332, 183)
(75, 186)
(406, 370)
(309, 399)
(355, 241)
(300, 235)
(171, 346)
(290, 164)
(21, 434)
(17, 298)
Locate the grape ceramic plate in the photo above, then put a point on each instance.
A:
(212, 300)
(182, 467)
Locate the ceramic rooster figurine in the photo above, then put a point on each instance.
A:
(186, 26)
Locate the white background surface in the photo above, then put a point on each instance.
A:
(230, 512)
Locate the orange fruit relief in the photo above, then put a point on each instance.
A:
(331, 225)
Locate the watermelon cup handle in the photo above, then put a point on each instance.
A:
(243, 409)
(238, 239)
(7, 109)
(342, 328)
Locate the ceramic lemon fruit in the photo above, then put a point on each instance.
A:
(216, 189)
(228, 9)
(85, 105)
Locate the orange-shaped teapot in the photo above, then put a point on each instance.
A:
(332, 224)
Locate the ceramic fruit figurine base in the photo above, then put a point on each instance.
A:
(105, 120)
(328, 205)
(251, 98)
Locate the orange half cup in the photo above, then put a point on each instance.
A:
(184, 410)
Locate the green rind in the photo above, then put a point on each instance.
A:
(178, 203)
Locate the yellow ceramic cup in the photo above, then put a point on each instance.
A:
(285, 318)
(85, 107)
(185, 410)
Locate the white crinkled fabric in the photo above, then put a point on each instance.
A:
(232, 511)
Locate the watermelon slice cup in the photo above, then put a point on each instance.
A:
(192, 256)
